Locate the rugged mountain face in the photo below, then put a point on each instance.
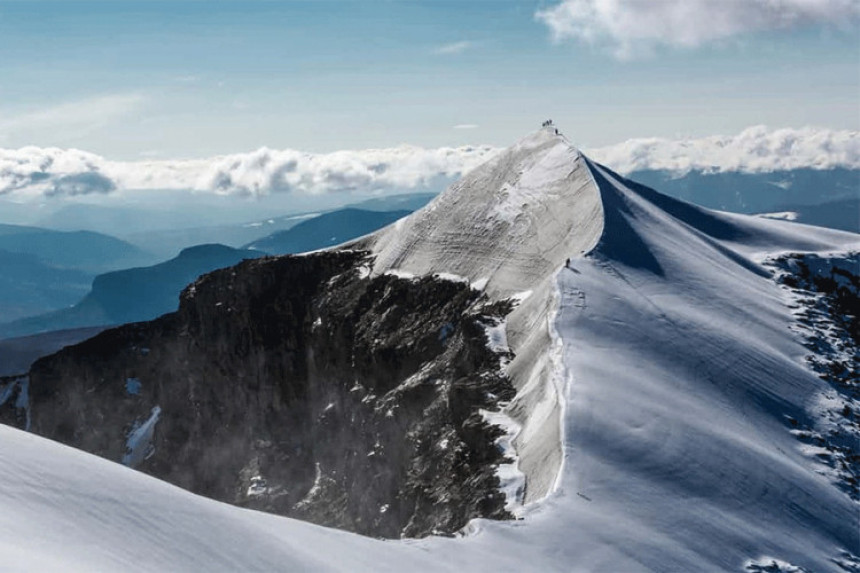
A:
(300, 386)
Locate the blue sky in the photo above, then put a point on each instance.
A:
(140, 79)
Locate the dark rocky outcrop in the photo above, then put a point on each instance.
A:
(825, 295)
(300, 386)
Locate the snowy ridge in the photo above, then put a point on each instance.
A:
(655, 376)
(509, 226)
(512, 220)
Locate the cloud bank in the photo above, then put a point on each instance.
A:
(36, 172)
(39, 172)
(754, 150)
(636, 27)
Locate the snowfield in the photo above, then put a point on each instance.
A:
(655, 375)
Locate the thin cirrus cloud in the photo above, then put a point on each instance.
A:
(68, 121)
(629, 28)
(37, 172)
(454, 48)
(466, 126)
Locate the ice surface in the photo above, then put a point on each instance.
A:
(139, 442)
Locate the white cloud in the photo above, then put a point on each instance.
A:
(635, 27)
(41, 172)
(466, 126)
(454, 48)
(756, 149)
(67, 121)
(36, 172)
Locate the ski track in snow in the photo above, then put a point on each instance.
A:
(654, 375)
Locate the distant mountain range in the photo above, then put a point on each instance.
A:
(143, 293)
(45, 270)
(752, 193)
(82, 250)
(167, 243)
(407, 202)
(133, 294)
(843, 214)
(326, 230)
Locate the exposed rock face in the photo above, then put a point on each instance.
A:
(301, 386)
(825, 295)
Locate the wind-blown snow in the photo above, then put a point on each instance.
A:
(655, 375)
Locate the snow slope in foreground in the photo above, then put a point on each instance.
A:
(655, 374)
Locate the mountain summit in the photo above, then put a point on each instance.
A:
(645, 385)
(508, 224)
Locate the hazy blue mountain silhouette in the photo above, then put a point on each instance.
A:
(326, 230)
(135, 294)
(408, 202)
(83, 250)
(755, 192)
(843, 214)
(28, 286)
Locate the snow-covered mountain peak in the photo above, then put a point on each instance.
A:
(685, 394)
(510, 223)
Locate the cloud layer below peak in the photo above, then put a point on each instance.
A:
(35, 172)
(632, 28)
(754, 150)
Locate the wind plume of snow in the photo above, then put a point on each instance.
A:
(632, 27)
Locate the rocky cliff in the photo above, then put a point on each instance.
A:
(303, 386)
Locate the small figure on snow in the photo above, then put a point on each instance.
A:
(567, 263)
